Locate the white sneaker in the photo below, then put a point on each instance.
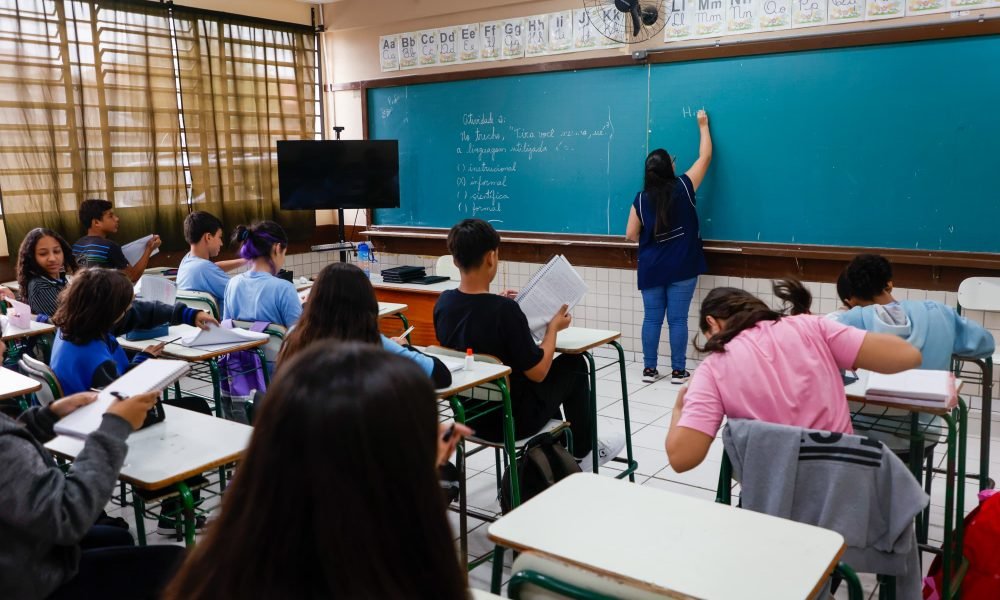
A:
(608, 447)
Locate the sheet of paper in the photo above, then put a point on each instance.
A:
(555, 284)
(536, 35)
(388, 46)
(453, 363)
(154, 288)
(133, 250)
(560, 31)
(215, 335)
(19, 314)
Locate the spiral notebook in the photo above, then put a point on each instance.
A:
(151, 374)
(555, 284)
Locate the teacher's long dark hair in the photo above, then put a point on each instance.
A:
(659, 187)
(337, 495)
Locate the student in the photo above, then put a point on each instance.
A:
(664, 221)
(203, 231)
(472, 317)
(257, 294)
(95, 249)
(371, 525)
(43, 262)
(50, 547)
(844, 293)
(934, 328)
(767, 366)
(96, 303)
(342, 307)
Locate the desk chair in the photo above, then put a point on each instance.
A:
(446, 267)
(539, 577)
(980, 293)
(277, 335)
(201, 301)
(42, 373)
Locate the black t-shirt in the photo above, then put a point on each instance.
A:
(489, 324)
(93, 251)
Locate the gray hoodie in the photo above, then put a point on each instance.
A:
(846, 483)
(45, 512)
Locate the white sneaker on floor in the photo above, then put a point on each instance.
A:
(608, 447)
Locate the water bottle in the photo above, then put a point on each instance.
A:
(364, 257)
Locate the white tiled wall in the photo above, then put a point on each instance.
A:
(614, 301)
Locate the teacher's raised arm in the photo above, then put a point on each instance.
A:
(664, 221)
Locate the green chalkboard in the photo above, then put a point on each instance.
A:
(894, 146)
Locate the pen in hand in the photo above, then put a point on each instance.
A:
(118, 395)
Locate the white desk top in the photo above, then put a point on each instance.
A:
(576, 340)
(13, 384)
(35, 328)
(185, 444)
(179, 352)
(462, 380)
(435, 288)
(670, 543)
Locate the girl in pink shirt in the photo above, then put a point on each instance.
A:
(763, 364)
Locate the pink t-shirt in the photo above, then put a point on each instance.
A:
(783, 372)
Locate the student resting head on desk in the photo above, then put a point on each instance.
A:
(771, 367)
(337, 495)
(257, 294)
(51, 547)
(342, 308)
(472, 317)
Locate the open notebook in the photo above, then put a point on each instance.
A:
(555, 284)
(215, 335)
(915, 387)
(151, 374)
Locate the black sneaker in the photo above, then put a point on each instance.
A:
(651, 375)
(167, 526)
(679, 376)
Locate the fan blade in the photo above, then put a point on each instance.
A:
(625, 5)
(636, 20)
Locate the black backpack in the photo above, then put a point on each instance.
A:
(543, 463)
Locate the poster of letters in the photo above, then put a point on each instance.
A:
(584, 34)
(774, 14)
(468, 43)
(427, 48)
(876, 10)
(967, 4)
(512, 38)
(490, 40)
(447, 45)
(808, 13)
(613, 23)
(845, 11)
(388, 46)
(926, 7)
(407, 51)
(561, 32)
(708, 18)
(741, 16)
(677, 26)
(536, 35)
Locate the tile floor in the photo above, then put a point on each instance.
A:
(649, 407)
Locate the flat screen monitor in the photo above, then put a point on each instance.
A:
(330, 174)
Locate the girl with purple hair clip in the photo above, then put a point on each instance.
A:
(257, 294)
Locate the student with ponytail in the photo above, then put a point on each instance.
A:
(257, 294)
(665, 223)
(780, 367)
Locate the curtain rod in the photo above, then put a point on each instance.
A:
(214, 14)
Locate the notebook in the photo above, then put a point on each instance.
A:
(216, 335)
(555, 284)
(914, 387)
(155, 288)
(151, 374)
(454, 364)
(133, 251)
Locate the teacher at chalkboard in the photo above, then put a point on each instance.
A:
(665, 223)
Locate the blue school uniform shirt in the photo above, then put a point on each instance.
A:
(933, 328)
(259, 296)
(674, 255)
(200, 275)
(75, 364)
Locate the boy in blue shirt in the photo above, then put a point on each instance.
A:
(197, 272)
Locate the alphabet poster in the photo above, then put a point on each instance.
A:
(447, 45)
(845, 11)
(884, 9)
(709, 18)
(678, 26)
(513, 38)
(468, 43)
(536, 35)
(427, 47)
(408, 51)
(775, 15)
(584, 33)
(560, 31)
(491, 40)
(926, 7)
(808, 13)
(389, 52)
(740, 16)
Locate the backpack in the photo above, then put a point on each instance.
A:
(242, 377)
(543, 463)
(979, 546)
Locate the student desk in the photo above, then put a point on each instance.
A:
(420, 299)
(202, 354)
(672, 544)
(579, 340)
(11, 333)
(13, 385)
(956, 425)
(385, 309)
(184, 445)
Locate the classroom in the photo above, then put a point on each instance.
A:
(664, 299)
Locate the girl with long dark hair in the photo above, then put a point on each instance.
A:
(43, 262)
(665, 223)
(342, 308)
(368, 524)
(257, 294)
(777, 366)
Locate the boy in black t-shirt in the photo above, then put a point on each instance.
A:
(99, 220)
(472, 317)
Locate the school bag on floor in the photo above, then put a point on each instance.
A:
(543, 463)
(981, 547)
(242, 377)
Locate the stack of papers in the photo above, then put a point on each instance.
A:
(153, 288)
(914, 387)
(216, 335)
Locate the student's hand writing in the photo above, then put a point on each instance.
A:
(702, 118)
(512, 294)
(155, 349)
(447, 447)
(203, 320)
(64, 406)
(134, 408)
(561, 320)
(153, 243)
(401, 340)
